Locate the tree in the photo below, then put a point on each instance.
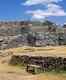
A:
(31, 39)
(51, 26)
(48, 23)
(61, 39)
(64, 26)
(25, 28)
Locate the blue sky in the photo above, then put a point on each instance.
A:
(53, 10)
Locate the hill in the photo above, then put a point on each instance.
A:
(14, 34)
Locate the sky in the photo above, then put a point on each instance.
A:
(40, 10)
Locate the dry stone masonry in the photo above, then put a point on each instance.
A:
(46, 63)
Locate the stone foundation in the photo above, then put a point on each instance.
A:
(46, 63)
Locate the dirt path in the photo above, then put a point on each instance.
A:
(15, 76)
(19, 76)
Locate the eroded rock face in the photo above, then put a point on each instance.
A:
(46, 63)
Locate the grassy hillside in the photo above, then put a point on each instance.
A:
(8, 72)
(42, 51)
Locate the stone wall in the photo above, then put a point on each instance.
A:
(46, 63)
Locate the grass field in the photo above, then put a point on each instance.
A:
(39, 51)
(50, 76)
(8, 72)
(15, 73)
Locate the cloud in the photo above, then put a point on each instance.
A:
(52, 10)
(38, 17)
(35, 2)
(48, 12)
(55, 10)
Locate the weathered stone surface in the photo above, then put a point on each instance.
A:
(46, 63)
